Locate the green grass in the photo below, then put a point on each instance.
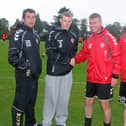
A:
(76, 106)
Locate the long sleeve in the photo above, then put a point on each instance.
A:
(82, 55)
(123, 59)
(115, 50)
(13, 51)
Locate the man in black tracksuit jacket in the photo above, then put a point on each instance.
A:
(61, 46)
(24, 55)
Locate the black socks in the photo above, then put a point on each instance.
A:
(88, 121)
(107, 124)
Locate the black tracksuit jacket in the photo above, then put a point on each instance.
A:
(23, 51)
(61, 46)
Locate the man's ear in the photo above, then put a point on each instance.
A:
(60, 20)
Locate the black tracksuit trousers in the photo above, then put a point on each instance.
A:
(24, 101)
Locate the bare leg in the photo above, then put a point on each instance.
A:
(106, 111)
(88, 110)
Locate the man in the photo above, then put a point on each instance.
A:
(102, 51)
(24, 56)
(60, 47)
(122, 93)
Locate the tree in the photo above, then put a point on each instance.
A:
(46, 26)
(46, 29)
(74, 26)
(42, 27)
(14, 26)
(4, 26)
(123, 29)
(38, 24)
(83, 28)
(115, 29)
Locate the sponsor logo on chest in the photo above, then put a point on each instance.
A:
(60, 43)
(90, 45)
(102, 44)
(72, 40)
(28, 43)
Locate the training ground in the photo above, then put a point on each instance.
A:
(76, 106)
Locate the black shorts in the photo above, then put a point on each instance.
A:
(102, 91)
(122, 93)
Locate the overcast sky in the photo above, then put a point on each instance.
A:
(111, 10)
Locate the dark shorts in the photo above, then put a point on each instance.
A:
(122, 93)
(102, 91)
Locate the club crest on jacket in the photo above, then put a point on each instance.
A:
(102, 44)
(72, 40)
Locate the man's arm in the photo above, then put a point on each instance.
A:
(123, 57)
(116, 61)
(13, 51)
(51, 47)
(82, 55)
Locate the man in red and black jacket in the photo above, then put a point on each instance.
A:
(102, 51)
(122, 92)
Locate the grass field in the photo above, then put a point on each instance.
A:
(76, 112)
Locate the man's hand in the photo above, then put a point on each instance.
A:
(114, 81)
(72, 61)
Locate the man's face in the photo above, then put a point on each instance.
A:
(65, 22)
(29, 19)
(95, 25)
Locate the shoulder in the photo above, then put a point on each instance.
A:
(123, 36)
(17, 34)
(74, 34)
(36, 34)
(54, 33)
(110, 37)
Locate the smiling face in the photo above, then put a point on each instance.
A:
(95, 24)
(29, 19)
(65, 22)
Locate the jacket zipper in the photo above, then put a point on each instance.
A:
(53, 68)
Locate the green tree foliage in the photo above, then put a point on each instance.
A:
(83, 28)
(38, 24)
(115, 29)
(42, 27)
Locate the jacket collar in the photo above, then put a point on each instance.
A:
(24, 27)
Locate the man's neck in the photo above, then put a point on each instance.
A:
(99, 31)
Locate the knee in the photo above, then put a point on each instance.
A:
(89, 101)
(105, 105)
